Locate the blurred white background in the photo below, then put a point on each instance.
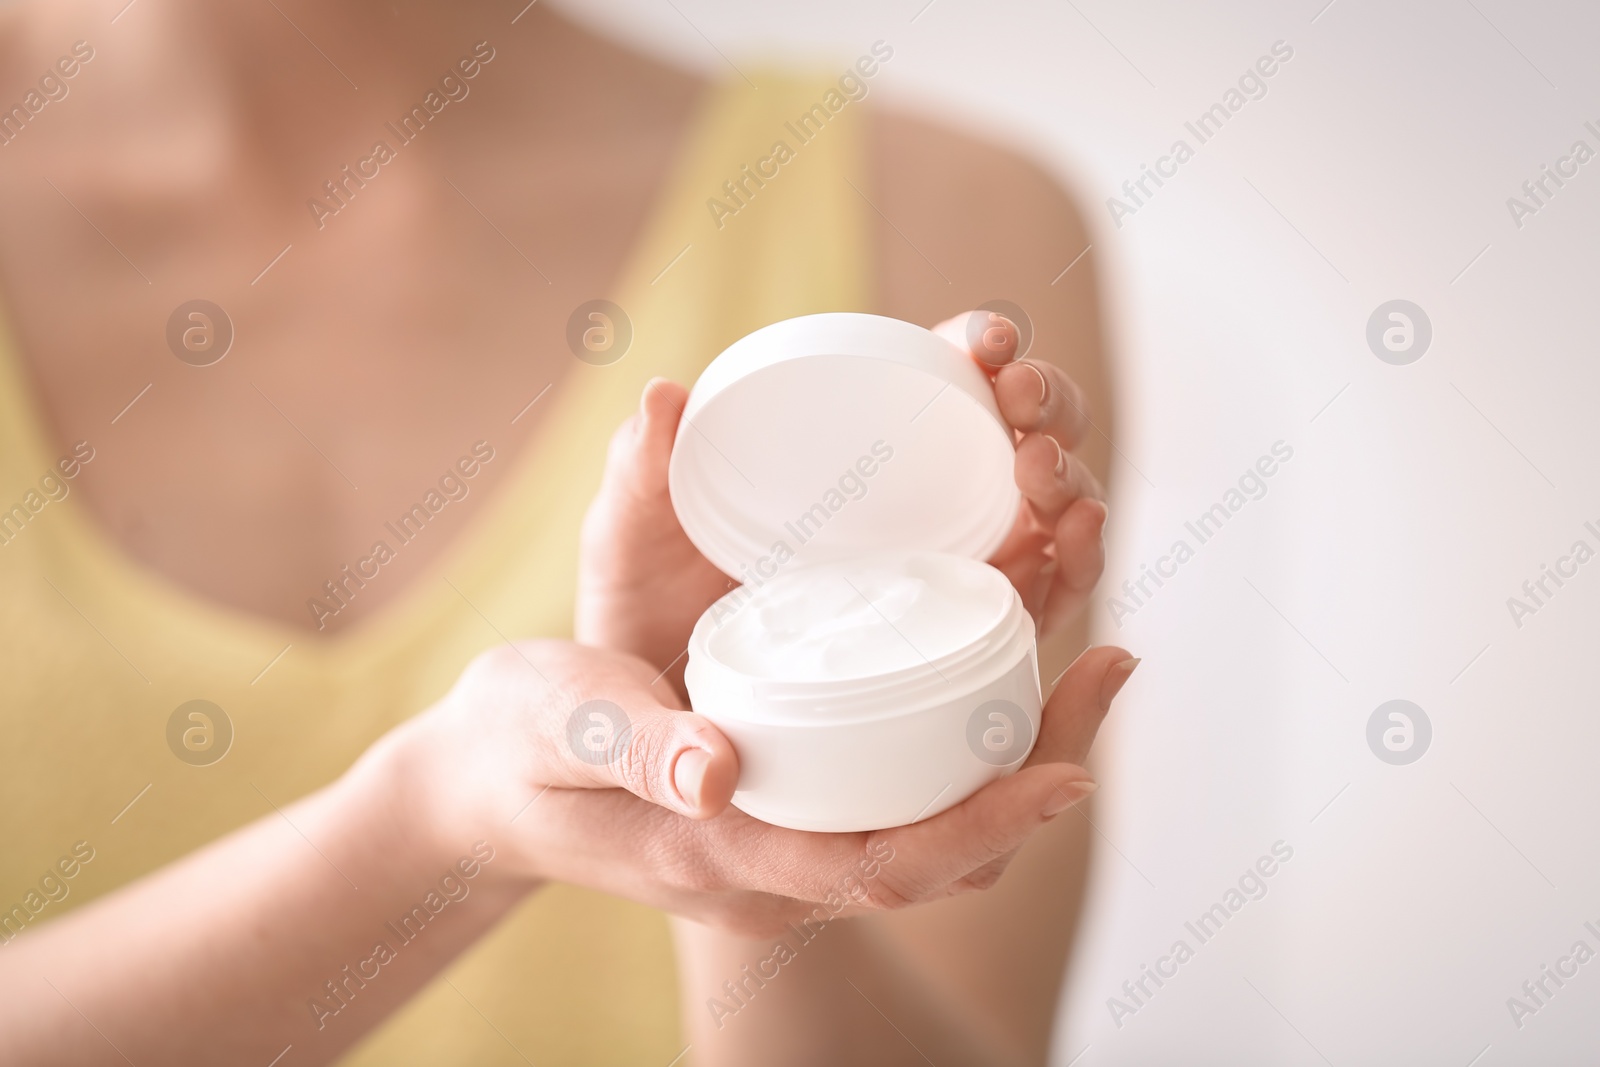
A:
(1419, 498)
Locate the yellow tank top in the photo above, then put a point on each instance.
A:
(97, 652)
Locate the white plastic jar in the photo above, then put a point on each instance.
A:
(852, 472)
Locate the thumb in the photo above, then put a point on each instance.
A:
(636, 463)
(675, 759)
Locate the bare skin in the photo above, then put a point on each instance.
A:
(391, 338)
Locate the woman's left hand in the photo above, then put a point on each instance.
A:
(642, 583)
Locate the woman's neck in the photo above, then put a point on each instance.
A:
(258, 90)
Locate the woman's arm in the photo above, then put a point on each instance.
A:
(310, 925)
(848, 997)
(547, 761)
(968, 980)
(305, 928)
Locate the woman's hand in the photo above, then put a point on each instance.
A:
(564, 758)
(642, 583)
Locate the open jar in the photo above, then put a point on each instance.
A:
(853, 472)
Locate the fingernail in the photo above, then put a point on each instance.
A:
(1116, 678)
(1044, 388)
(689, 776)
(1016, 331)
(1064, 796)
(1061, 458)
(996, 355)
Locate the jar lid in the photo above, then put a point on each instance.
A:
(830, 436)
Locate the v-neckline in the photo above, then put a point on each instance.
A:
(384, 625)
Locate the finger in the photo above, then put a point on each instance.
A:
(987, 336)
(675, 759)
(1025, 559)
(628, 739)
(1034, 396)
(1039, 397)
(1073, 713)
(636, 462)
(1054, 550)
(1080, 559)
(1050, 477)
(931, 858)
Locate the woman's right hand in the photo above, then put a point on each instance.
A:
(567, 761)
(491, 763)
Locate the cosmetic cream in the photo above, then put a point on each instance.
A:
(838, 621)
(871, 670)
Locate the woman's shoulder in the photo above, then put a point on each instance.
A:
(957, 208)
(963, 219)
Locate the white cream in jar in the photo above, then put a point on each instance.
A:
(877, 615)
(870, 661)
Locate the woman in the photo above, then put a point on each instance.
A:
(398, 324)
